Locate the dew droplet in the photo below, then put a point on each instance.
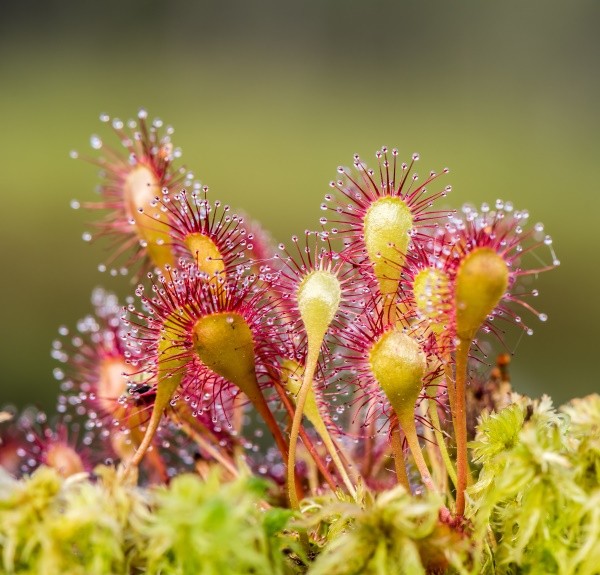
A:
(95, 142)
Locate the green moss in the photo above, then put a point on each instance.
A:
(394, 533)
(78, 526)
(534, 508)
(540, 492)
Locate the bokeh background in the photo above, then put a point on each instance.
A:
(267, 99)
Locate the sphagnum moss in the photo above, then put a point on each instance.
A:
(159, 461)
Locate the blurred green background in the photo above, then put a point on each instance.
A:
(267, 99)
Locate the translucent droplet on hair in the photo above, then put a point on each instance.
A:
(95, 142)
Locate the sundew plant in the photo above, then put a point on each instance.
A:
(332, 405)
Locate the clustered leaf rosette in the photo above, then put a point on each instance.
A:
(134, 179)
(446, 277)
(352, 343)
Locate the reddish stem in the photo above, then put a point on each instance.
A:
(462, 465)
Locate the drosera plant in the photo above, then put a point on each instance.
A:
(314, 295)
(131, 181)
(311, 400)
